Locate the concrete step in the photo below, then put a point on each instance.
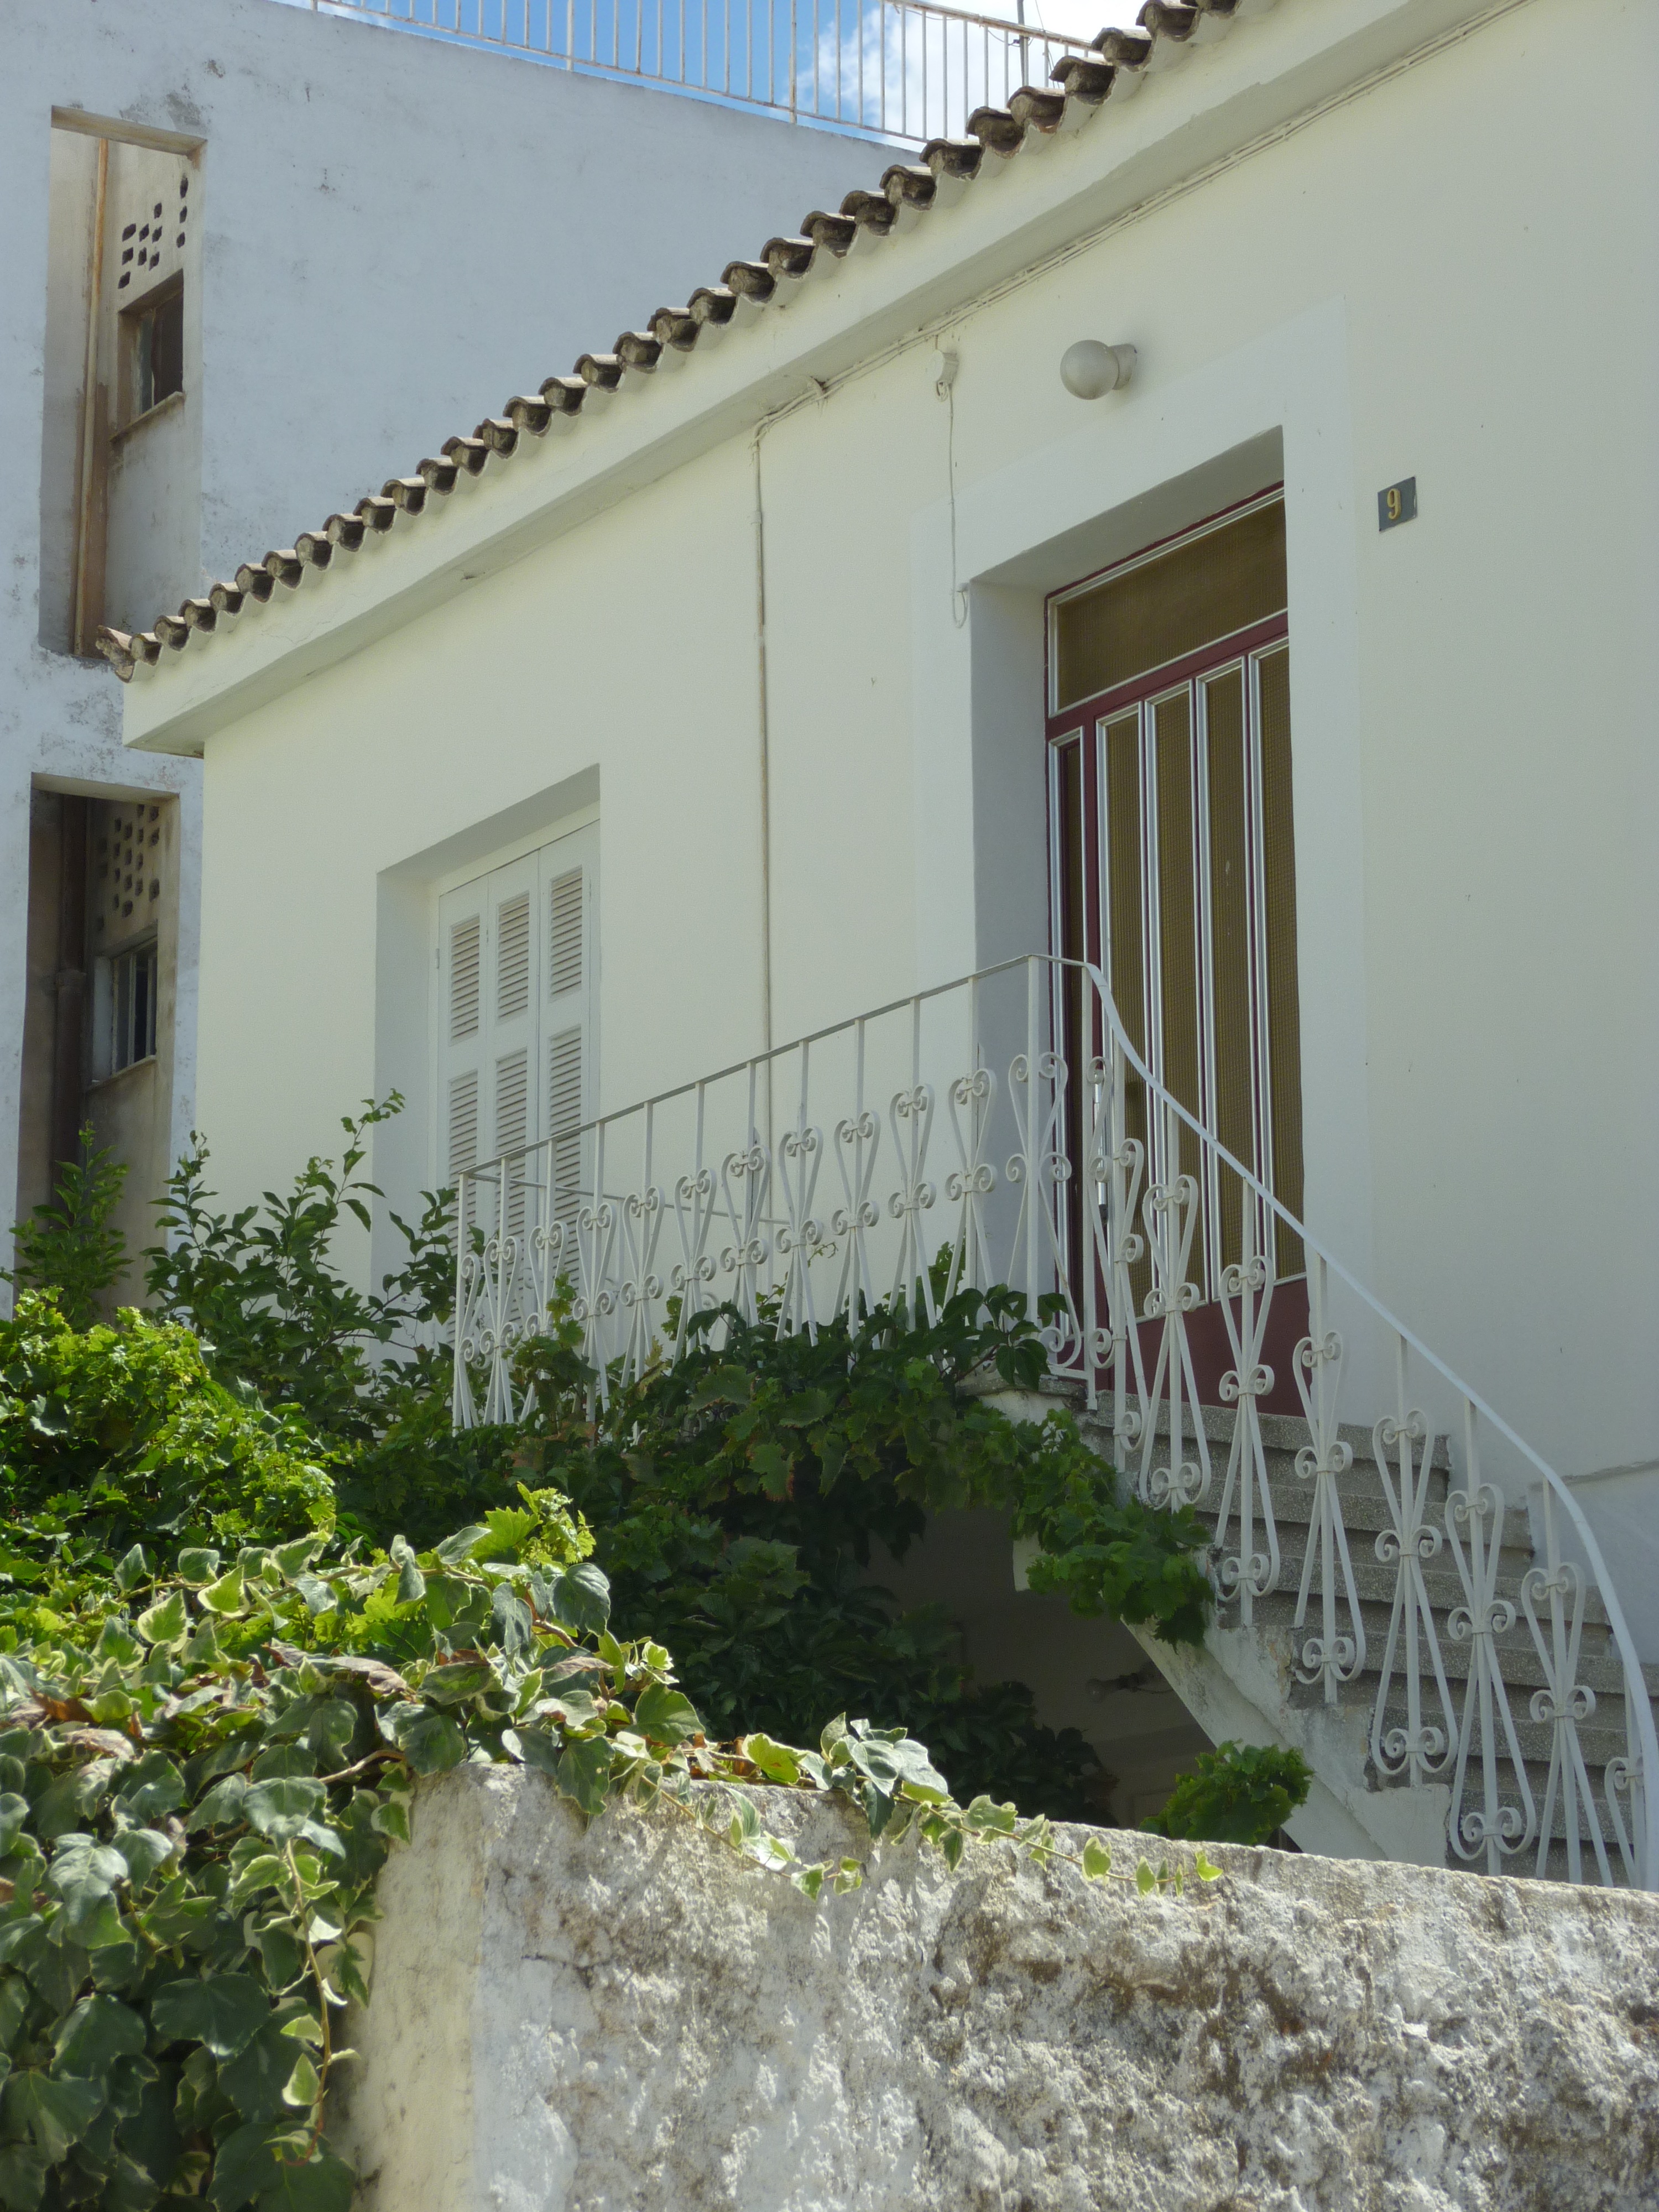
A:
(1523, 1671)
(1365, 1510)
(1284, 1433)
(1375, 1582)
(1601, 1738)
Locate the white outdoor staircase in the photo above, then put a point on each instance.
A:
(1405, 1592)
(1251, 1681)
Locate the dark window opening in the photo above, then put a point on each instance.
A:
(156, 343)
(134, 982)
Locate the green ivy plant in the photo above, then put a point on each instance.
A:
(203, 1769)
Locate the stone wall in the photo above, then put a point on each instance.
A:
(627, 2017)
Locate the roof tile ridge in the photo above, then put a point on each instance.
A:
(907, 192)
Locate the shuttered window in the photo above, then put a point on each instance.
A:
(516, 1029)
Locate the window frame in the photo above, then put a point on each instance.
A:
(132, 316)
(113, 1017)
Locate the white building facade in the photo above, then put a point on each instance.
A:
(859, 652)
(255, 253)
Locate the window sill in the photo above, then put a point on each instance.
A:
(120, 1074)
(170, 405)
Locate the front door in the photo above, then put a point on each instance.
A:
(1173, 865)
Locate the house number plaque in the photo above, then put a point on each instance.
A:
(1397, 504)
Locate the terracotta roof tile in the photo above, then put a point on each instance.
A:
(908, 191)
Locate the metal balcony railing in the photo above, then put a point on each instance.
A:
(1004, 1130)
(890, 69)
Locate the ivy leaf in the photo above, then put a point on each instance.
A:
(166, 1622)
(54, 2112)
(323, 2183)
(269, 2163)
(778, 1762)
(152, 1785)
(282, 1808)
(1145, 1880)
(85, 1875)
(515, 1628)
(23, 2171)
(292, 1560)
(582, 1775)
(456, 1681)
(581, 1599)
(1097, 1859)
(221, 1805)
(384, 1680)
(221, 2012)
(455, 1549)
(411, 1583)
(301, 2085)
(14, 1811)
(667, 1717)
(431, 1741)
(97, 2032)
(225, 1596)
(131, 1569)
(987, 1818)
(253, 2081)
(73, 1798)
(1204, 1870)
(197, 1564)
(280, 1950)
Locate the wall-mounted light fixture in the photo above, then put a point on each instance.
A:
(1089, 369)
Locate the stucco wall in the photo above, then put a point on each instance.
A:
(396, 235)
(631, 2017)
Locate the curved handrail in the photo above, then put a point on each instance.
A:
(1634, 1683)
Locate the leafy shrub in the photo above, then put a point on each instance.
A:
(121, 1433)
(735, 1497)
(263, 1287)
(67, 1246)
(1241, 1793)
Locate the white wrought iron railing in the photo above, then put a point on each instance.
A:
(1007, 1123)
(891, 69)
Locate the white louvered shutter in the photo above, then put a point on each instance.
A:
(514, 1026)
(565, 903)
(516, 1030)
(463, 1019)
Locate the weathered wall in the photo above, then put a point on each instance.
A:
(631, 2018)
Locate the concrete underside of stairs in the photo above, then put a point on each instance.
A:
(628, 2016)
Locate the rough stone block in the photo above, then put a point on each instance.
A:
(627, 2017)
